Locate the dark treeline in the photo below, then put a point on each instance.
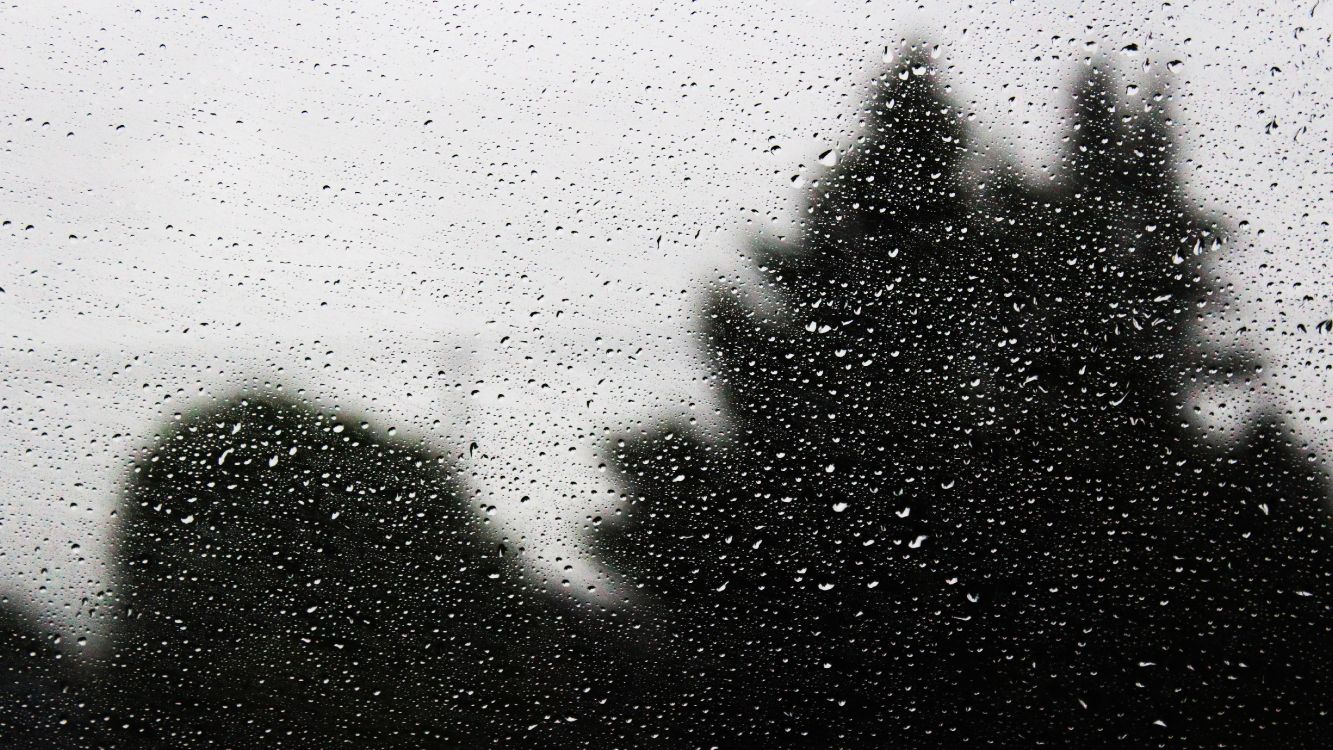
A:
(294, 579)
(958, 503)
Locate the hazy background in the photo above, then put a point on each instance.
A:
(489, 223)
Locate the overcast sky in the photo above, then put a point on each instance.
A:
(348, 198)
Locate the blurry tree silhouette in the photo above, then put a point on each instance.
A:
(297, 578)
(958, 503)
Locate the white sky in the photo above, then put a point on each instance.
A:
(197, 248)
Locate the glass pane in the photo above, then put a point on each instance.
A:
(610, 375)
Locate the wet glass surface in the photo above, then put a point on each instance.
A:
(610, 375)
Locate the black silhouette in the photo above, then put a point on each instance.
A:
(959, 503)
(296, 578)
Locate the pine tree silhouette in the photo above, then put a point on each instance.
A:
(958, 504)
(876, 357)
(296, 578)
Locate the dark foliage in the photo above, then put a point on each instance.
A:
(959, 503)
(294, 578)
